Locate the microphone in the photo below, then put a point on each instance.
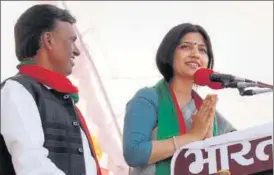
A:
(243, 85)
(255, 91)
(207, 77)
(217, 77)
(201, 78)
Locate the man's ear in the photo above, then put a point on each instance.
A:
(47, 40)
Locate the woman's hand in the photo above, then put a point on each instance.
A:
(202, 121)
(209, 133)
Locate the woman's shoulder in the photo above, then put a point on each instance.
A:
(148, 93)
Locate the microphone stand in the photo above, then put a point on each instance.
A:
(251, 92)
(242, 87)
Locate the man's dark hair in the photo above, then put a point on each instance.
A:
(33, 23)
(165, 53)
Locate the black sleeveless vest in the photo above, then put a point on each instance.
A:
(61, 128)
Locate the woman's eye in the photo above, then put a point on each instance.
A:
(184, 46)
(203, 50)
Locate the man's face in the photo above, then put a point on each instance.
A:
(63, 49)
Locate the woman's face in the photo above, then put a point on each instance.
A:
(190, 55)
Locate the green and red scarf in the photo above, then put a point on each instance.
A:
(61, 84)
(171, 120)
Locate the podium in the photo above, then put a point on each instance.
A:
(244, 152)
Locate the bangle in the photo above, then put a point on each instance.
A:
(175, 143)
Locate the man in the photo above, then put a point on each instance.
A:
(42, 131)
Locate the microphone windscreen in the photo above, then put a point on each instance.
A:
(202, 78)
(215, 85)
